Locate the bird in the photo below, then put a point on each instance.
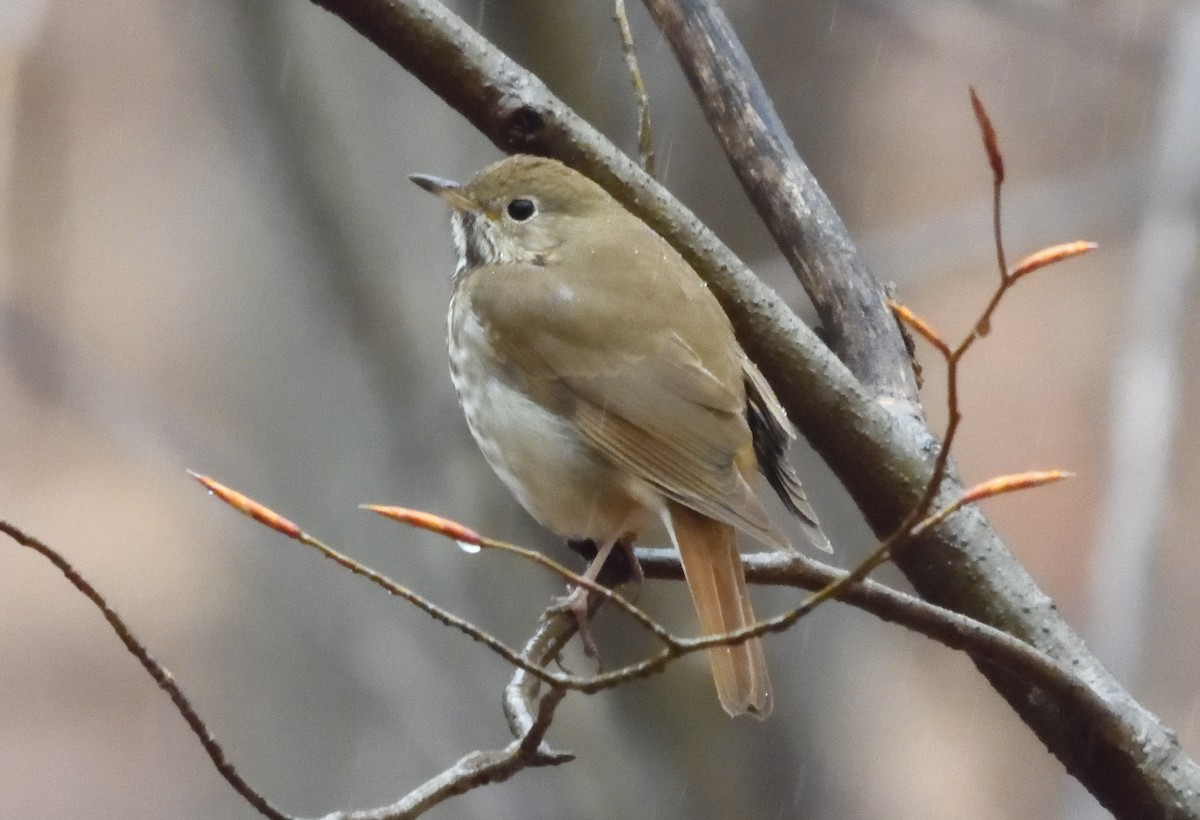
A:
(604, 385)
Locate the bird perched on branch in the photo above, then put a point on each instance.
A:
(603, 383)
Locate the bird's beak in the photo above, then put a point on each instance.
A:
(446, 189)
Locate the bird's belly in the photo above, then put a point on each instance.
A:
(558, 478)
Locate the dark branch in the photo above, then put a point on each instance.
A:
(807, 229)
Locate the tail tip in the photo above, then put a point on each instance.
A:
(760, 708)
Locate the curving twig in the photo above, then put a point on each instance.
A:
(161, 675)
(463, 535)
(475, 769)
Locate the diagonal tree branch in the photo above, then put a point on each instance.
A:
(1130, 761)
(807, 229)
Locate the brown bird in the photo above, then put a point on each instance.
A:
(603, 383)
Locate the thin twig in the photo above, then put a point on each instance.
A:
(161, 675)
(645, 136)
(265, 515)
(996, 160)
(912, 527)
(674, 647)
(465, 535)
(476, 769)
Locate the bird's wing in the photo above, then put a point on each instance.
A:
(647, 370)
(773, 432)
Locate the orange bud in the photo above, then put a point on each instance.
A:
(1011, 483)
(990, 143)
(248, 506)
(428, 521)
(919, 325)
(1050, 255)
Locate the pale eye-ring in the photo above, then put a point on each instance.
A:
(521, 209)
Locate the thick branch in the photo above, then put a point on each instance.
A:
(1130, 761)
(807, 229)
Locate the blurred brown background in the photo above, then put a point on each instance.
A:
(211, 259)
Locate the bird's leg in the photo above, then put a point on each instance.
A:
(578, 601)
(637, 576)
(620, 568)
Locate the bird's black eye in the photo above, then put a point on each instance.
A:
(521, 209)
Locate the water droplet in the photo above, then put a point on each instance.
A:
(469, 549)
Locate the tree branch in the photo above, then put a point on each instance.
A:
(160, 674)
(1130, 761)
(476, 769)
(807, 229)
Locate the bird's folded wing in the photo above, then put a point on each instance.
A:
(640, 385)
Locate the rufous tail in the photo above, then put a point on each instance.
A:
(717, 582)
